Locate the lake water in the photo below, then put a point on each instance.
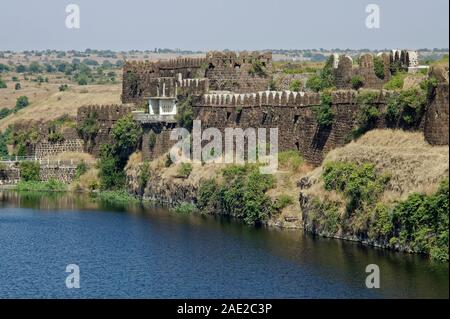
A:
(148, 252)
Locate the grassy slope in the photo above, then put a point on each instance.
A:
(415, 165)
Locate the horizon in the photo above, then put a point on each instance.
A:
(203, 25)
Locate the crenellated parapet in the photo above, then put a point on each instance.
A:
(263, 98)
(192, 86)
(103, 112)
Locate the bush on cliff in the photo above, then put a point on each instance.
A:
(406, 108)
(127, 135)
(243, 193)
(418, 224)
(29, 171)
(111, 172)
(323, 113)
(360, 184)
(422, 222)
(208, 196)
(185, 114)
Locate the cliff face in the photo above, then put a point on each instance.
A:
(437, 116)
(413, 166)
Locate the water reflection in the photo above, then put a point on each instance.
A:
(333, 261)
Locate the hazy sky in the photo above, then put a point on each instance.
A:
(221, 24)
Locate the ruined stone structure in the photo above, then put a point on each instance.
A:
(64, 172)
(164, 86)
(244, 72)
(437, 116)
(106, 116)
(344, 71)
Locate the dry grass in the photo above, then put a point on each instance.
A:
(47, 103)
(87, 182)
(414, 165)
(75, 156)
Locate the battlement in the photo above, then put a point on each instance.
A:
(284, 98)
(173, 64)
(243, 57)
(263, 98)
(103, 112)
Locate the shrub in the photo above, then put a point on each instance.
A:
(63, 87)
(4, 68)
(422, 222)
(185, 170)
(55, 137)
(21, 102)
(378, 67)
(34, 186)
(35, 67)
(324, 114)
(283, 201)
(295, 85)
(89, 127)
(290, 159)
(2, 84)
(360, 184)
(151, 139)
(208, 195)
(127, 135)
(4, 112)
(243, 193)
(81, 169)
(21, 68)
(168, 160)
(144, 172)
(117, 197)
(17, 86)
(258, 68)
(368, 114)
(185, 114)
(396, 82)
(3, 148)
(357, 82)
(407, 106)
(185, 208)
(111, 173)
(29, 171)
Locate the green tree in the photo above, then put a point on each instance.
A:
(29, 171)
(35, 67)
(127, 134)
